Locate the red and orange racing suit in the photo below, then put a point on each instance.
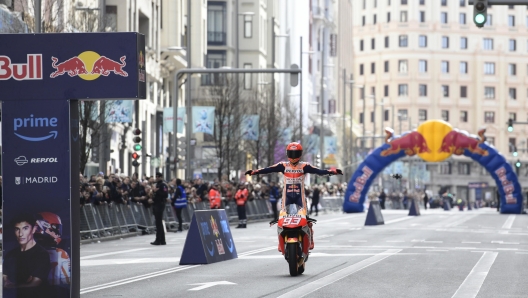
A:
(294, 176)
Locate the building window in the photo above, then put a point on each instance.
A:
(422, 41)
(364, 4)
(403, 41)
(386, 41)
(489, 68)
(512, 69)
(214, 59)
(248, 26)
(386, 118)
(402, 66)
(463, 91)
(489, 92)
(445, 66)
(488, 44)
(511, 141)
(361, 45)
(445, 115)
(445, 168)
(375, 3)
(422, 16)
(444, 2)
(490, 141)
(463, 116)
(374, 20)
(422, 2)
(361, 120)
(404, 2)
(443, 17)
(216, 23)
(372, 117)
(422, 66)
(463, 43)
(489, 20)
(422, 90)
(489, 117)
(462, 18)
(386, 66)
(403, 16)
(527, 21)
(462, 3)
(512, 116)
(445, 42)
(445, 90)
(511, 21)
(386, 90)
(402, 90)
(512, 93)
(361, 69)
(463, 67)
(402, 115)
(422, 115)
(247, 76)
(464, 168)
(513, 45)
(372, 67)
(388, 17)
(373, 44)
(363, 21)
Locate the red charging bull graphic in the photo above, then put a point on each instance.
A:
(412, 143)
(73, 67)
(455, 142)
(88, 66)
(105, 65)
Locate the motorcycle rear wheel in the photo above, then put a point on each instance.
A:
(292, 258)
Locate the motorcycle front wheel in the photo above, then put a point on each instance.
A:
(292, 258)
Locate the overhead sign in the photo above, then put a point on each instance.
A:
(477, 185)
(209, 239)
(66, 66)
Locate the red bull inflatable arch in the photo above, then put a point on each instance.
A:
(434, 141)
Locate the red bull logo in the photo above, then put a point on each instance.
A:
(412, 143)
(456, 142)
(359, 184)
(31, 70)
(88, 66)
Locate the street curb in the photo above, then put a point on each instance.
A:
(109, 238)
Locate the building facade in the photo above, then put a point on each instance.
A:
(427, 60)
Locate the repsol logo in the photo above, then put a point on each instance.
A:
(294, 171)
(32, 122)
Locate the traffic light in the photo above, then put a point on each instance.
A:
(518, 163)
(514, 151)
(480, 12)
(137, 146)
(510, 125)
(318, 160)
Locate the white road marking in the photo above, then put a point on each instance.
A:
(113, 253)
(256, 251)
(105, 262)
(522, 253)
(437, 250)
(395, 241)
(135, 278)
(473, 282)
(502, 242)
(357, 240)
(205, 285)
(509, 222)
(322, 255)
(329, 279)
(322, 237)
(341, 218)
(398, 219)
(462, 220)
(465, 248)
(470, 242)
(507, 249)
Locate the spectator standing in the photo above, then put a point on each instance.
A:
(498, 201)
(273, 197)
(315, 200)
(215, 200)
(160, 195)
(180, 202)
(382, 198)
(241, 197)
(425, 200)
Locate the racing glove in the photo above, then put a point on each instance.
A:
(273, 222)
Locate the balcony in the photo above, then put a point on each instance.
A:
(216, 38)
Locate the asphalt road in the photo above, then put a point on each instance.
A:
(438, 254)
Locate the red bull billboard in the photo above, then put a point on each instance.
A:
(434, 141)
(72, 66)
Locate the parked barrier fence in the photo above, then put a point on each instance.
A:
(105, 220)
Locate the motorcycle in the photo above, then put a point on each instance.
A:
(294, 238)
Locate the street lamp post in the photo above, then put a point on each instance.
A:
(373, 119)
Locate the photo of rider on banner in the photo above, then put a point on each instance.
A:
(330, 150)
(203, 118)
(250, 127)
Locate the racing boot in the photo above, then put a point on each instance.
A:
(310, 225)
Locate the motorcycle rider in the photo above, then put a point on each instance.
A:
(294, 172)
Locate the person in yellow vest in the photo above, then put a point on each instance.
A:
(215, 200)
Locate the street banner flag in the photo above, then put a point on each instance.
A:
(119, 111)
(168, 120)
(209, 239)
(250, 127)
(203, 119)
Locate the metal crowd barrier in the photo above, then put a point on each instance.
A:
(106, 220)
